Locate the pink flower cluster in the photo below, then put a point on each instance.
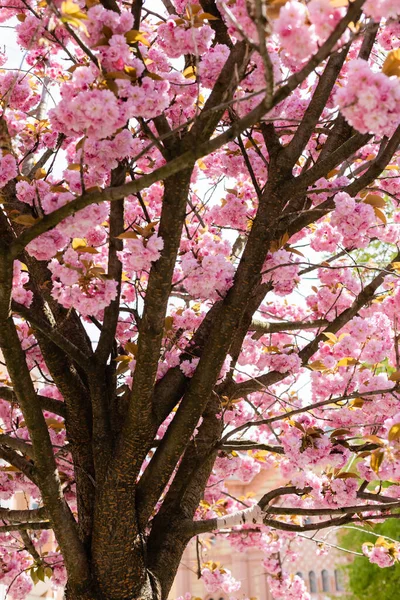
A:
(188, 367)
(13, 564)
(98, 17)
(389, 9)
(8, 169)
(295, 36)
(17, 89)
(180, 5)
(138, 253)
(219, 579)
(176, 40)
(20, 279)
(325, 238)
(282, 270)
(89, 302)
(233, 212)
(147, 100)
(94, 113)
(47, 245)
(77, 285)
(30, 30)
(288, 587)
(353, 220)
(370, 101)
(211, 64)
(209, 278)
(383, 555)
(324, 16)
(339, 286)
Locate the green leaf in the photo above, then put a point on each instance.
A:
(34, 576)
(40, 573)
(48, 571)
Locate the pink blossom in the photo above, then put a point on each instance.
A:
(15, 87)
(324, 16)
(389, 9)
(177, 40)
(219, 579)
(288, 588)
(47, 245)
(353, 220)
(139, 254)
(213, 285)
(188, 367)
(284, 278)
(8, 169)
(211, 64)
(369, 101)
(381, 555)
(296, 38)
(95, 113)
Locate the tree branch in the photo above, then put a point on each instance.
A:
(46, 474)
(26, 527)
(188, 158)
(50, 404)
(303, 409)
(265, 327)
(259, 514)
(327, 80)
(30, 546)
(17, 444)
(107, 335)
(219, 27)
(34, 515)
(323, 166)
(241, 445)
(19, 462)
(239, 389)
(55, 336)
(376, 166)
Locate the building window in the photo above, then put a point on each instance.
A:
(299, 574)
(339, 583)
(313, 582)
(325, 581)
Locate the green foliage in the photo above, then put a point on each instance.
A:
(367, 581)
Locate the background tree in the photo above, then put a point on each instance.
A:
(197, 165)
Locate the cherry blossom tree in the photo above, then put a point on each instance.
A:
(189, 195)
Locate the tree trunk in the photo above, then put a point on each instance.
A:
(147, 593)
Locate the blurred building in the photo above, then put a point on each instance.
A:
(322, 574)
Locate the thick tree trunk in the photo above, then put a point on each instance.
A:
(118, 560)
(147, 593)
(71, 594)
